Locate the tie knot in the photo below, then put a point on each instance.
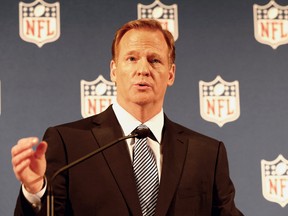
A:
(142, 127)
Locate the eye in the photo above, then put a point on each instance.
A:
(131, 59)
(155, 61)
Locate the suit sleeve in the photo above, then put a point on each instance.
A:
(224, 191)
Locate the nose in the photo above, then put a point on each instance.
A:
(143, 68)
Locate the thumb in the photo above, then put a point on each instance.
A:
(41, 149)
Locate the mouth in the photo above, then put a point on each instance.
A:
(142, 85)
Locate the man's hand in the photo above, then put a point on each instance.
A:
(29, 165)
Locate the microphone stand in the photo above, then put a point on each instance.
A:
(50, 196)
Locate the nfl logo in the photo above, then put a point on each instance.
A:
(271, 24)
(219, 101)
(96, 96)
(39, 22)
(166, 15)
(275, 180)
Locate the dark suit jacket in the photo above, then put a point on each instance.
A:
(194, 180)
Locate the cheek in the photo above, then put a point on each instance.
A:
(163, 78)
(123, 81)
(163, 83)
(125, 71)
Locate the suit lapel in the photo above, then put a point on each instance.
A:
(117, 158)
(174, 152)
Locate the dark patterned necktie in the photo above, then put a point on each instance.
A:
(146, 176)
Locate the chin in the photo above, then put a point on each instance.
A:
(143, 100)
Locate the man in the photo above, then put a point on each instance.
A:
(192, 168)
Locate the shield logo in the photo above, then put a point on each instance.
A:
(39, 22)
(219, 101)
(96, 96)
(165, 14)
(271, 24)
(275, 180)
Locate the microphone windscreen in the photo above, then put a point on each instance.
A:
(142, 132)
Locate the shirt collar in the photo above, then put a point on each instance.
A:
(129, 122)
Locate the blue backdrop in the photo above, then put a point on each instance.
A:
(40, 87)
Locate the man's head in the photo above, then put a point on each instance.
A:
(142, 67)
(148, 24)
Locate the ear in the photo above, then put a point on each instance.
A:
(113, 71)
(171, 77)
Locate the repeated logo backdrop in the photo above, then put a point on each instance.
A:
(231, 80)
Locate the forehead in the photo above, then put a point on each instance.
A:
(143, 40)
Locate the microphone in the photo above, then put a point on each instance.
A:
(140, 132)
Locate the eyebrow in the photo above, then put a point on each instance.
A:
(134, 52)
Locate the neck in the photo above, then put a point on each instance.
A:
(142, 112)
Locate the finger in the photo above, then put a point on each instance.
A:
(24, 155)
(18, 170)
(41, 149)
(24, 144)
